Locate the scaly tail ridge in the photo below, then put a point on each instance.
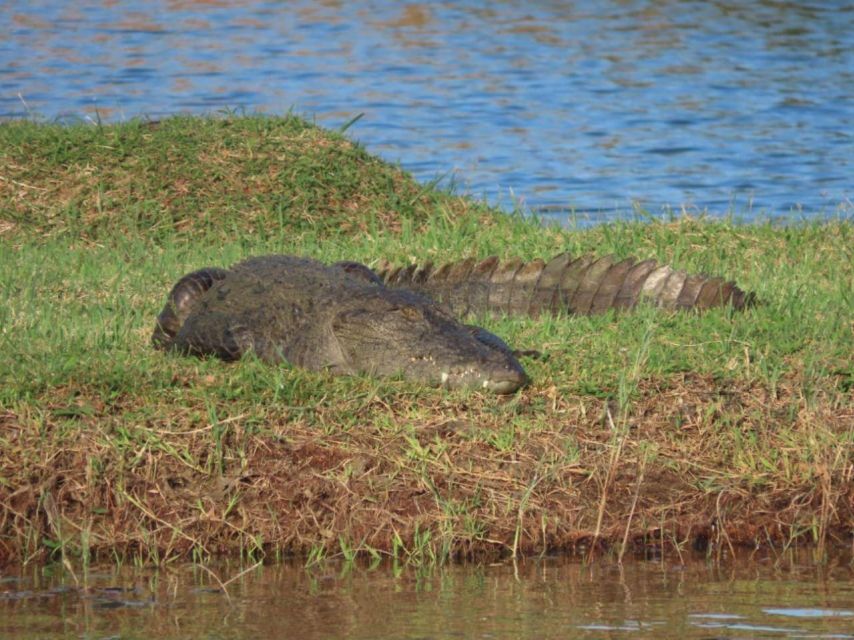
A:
(582, 285)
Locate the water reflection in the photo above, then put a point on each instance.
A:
(544, 598)
(590, 106)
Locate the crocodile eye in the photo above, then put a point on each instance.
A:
(410, 313)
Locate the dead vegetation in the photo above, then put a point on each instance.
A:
(448, 479)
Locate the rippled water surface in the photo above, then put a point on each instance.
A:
(542, 599)
(588, 106)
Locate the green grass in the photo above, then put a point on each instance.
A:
(644, 426)
(180, 177)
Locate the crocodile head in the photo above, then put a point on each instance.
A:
(401, 333)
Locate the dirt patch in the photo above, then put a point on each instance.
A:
(671, 472)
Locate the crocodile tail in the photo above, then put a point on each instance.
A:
(183, 297)
(581, 285)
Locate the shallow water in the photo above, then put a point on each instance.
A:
(547, 598)
(593, 107)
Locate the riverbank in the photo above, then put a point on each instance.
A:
(646, 428)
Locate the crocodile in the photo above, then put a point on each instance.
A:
(339, 318)
(404, 321)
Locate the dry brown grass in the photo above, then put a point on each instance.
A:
(436, 480)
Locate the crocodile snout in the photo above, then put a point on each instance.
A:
(502, 377)
(507, 382)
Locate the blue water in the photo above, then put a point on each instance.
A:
(594, 108)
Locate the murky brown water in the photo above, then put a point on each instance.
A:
(547, 598)
(590, 106)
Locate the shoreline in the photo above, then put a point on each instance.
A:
(643, 428)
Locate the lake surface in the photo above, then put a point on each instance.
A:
(593, 108)
(547, 598)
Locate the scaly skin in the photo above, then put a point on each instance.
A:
(348, 319)
(582, 285)
(339, 318)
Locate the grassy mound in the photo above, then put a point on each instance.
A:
(643, 428)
